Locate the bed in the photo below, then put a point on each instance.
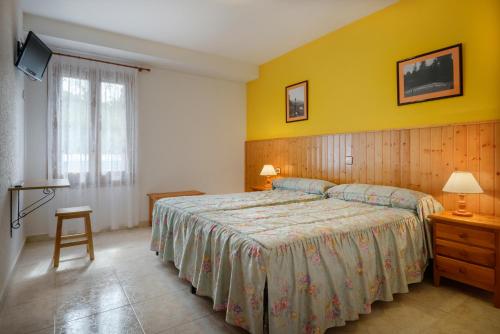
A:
(285, 190)
(307, 266)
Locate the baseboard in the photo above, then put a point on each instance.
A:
(144, 223)
(9, 274)
(46, 237)
(38, 237)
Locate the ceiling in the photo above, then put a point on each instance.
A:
(253, 31)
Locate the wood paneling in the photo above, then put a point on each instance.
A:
(420, 159)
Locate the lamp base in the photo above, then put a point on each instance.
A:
(462, 213)
(268, 184)
(461, 207)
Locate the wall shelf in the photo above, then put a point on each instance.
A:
(48, 188)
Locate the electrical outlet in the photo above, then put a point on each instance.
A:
(348, 160)
(278, 170)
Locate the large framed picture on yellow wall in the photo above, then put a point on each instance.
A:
(430, 76)
(296, 102)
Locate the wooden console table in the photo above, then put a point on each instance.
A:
(48, 188)
(153, 197)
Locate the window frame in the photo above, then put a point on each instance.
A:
(123, 176)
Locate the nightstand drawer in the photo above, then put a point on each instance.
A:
(467, 235)
(477, 255)
(465, 272)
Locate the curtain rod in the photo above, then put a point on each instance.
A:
(140, 69)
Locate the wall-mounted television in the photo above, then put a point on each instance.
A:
(33, 57)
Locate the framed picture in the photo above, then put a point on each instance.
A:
(430, 76)
(296, 102)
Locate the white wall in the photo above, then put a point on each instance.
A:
(11, 133)
(191, 136)
(192, 133)
(35, 167)
(35, 126)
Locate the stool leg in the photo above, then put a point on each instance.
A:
(87, 233)
(57, 245)
(88, 230)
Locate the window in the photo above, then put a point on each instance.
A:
(113, 129)
(92, 121)
(75, 124)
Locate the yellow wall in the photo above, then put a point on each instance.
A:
(352, 71)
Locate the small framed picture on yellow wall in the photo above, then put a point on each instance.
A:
(430, 76)
(296, 102)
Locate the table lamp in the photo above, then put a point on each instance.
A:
(462, 183)
(268, 171)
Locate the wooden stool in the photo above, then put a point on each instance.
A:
(71, 213)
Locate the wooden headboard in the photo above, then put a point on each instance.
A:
(419, 158)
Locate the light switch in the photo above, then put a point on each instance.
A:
(348, 160)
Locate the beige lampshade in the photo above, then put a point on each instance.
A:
(268, 170)
(462, 183)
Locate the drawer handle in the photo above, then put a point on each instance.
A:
(463, 235)
(462, 270)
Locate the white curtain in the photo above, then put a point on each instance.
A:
(92, 127)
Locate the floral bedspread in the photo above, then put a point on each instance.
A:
(197, 204)
(325, 262)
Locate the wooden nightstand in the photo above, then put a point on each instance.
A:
(467, 249)
(153, 197)
(261, 188)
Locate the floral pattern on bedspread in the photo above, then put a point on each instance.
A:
(395, 197)
(197, 204)
(325, 261)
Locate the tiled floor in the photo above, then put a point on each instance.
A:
(128, 290)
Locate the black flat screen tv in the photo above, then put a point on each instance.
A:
(33, 57)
